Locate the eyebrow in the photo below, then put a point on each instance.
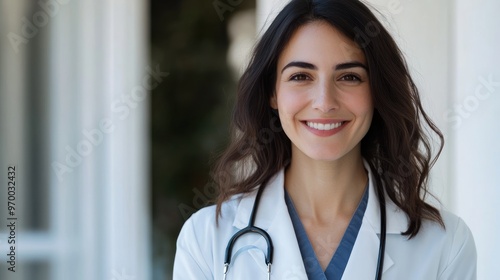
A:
(348, 65)
(300, 64)
(341, 66)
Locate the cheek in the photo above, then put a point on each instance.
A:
(365, 107)
(360, 103)
(289, 105)
(365, 110)
(290, 102)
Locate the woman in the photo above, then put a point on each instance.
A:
(329, 142)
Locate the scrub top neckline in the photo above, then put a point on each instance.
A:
(338, 263)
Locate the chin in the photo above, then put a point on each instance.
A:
(322, 156)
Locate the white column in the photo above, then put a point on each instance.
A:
(266, 12)
(94, 54)
(129, 83)
(474, 115)
(99, 101)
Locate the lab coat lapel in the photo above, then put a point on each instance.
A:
(273, 217)
(362, 263)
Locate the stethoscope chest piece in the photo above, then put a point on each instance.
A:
(226, 268)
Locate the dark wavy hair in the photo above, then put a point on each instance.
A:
(396, 146)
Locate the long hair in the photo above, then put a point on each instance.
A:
(396, 146)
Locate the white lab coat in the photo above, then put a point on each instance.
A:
(434, 253)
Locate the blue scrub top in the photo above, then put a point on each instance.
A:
(336, 267)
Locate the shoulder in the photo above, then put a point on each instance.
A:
(451, 247)
(460, 245)
(437, 252)
(200, 240)
(206, 216)
(455, 233)
(204, 223)
(453, 238)
(459, 256)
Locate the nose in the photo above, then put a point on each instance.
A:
(325, 97)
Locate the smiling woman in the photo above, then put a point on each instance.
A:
(323, 91)
(337, 190)
(325, 107)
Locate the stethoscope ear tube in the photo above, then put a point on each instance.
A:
(383, 232)
(251, 229)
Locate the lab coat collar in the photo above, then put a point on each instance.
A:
(272, 198)
(273, 217)
(397, 221)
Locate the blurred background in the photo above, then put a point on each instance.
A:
(112, 112)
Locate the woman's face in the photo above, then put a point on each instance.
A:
(322, 93)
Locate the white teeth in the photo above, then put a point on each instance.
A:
(324, 126)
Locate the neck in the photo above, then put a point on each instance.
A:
(323, 190)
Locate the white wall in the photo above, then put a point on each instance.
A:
(476, 154)
(90, 143)
(452, 50)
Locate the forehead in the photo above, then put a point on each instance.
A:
(319, 42)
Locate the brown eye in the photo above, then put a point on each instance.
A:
(299, 77)
(350, 78)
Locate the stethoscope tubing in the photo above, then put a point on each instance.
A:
(251, 229)
(270, 249)
(383, 233)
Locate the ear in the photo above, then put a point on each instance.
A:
(273, 101)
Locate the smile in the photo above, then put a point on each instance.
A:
(324, 126)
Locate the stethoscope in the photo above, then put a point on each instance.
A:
(269, 256)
